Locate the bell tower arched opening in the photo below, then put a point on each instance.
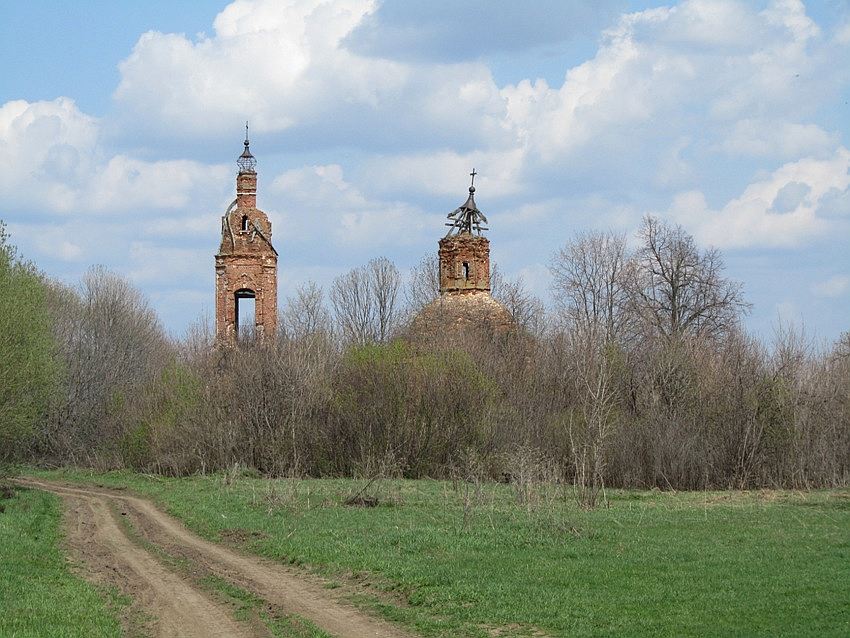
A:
(245, 310)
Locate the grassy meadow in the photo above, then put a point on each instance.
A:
(39, 595)
(452, 559)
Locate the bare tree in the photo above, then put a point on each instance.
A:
(386, 281)
(304, 313)
(423, 284)
(351, 298)
(589, 284)
(111, 344)
(592, 424)
(364, 301)
(841, 350)
(525, 308)
(678, 290)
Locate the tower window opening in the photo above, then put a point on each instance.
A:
(245, 312)
(466, 270)
(244, 222)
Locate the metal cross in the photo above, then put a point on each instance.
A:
(473, 174)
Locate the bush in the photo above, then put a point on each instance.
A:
(416, 407)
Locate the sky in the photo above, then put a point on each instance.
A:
(120, 124)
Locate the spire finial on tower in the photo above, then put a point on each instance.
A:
(247, 163)
(467, 218)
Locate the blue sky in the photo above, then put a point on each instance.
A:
(120, 124)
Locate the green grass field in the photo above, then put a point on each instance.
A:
(659, 564)
(39, 596)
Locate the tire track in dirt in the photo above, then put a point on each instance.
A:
(270, 581)
(99, 541)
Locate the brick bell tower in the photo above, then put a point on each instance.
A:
(246, 263)
(465, 308)
(464, 252)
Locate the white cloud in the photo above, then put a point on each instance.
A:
(445, 173)
(791, 14)
(774, 138)
(127, 183)
(255, 65)
(57, 241)
(835, 286)
(447, 30)
(557, 122)
(711, 23)
(319, 202)
(715, 71)
(779, 210)
(51, 161)
(47, 150)
(283, 65)
(717, 74)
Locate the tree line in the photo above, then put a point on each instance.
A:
(640, 375)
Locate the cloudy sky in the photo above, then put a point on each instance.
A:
(120, 124)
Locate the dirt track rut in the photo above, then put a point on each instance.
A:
(179, 607)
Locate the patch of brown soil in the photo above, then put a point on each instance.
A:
(239, 536)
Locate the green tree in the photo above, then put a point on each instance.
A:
(27, 364)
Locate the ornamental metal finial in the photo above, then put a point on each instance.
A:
(467, 218)
(247, 163)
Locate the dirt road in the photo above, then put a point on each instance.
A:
(127, 542)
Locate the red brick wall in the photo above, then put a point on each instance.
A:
(245, 260)
(471, 250)
(246, 190)
(237, 272)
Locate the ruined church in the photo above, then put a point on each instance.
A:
(246, 270)
(465, 304)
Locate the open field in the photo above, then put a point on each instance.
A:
(461, 559)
